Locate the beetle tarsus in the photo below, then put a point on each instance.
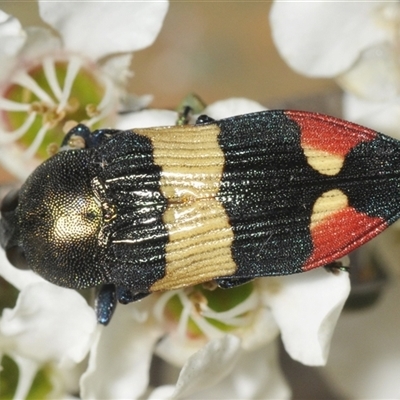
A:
(335, 267)
(126, 296)
(106, 301)
(184, 116)
(228, 283)
(204, 119)
(90, 139)
(79, 130)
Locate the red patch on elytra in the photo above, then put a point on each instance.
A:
(329, 134)
(340, 233)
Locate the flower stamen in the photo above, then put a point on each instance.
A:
(52, 149)
(207, 328)
(39, 107)
(72, 105)
(52, 117)
(74, 66)
(234, 314)
(10, 137)
(30, 152)
(39, 100)
(9, 105)
(105, 105)
(197, 313)
(92, 110)
(26, 81)
(51, 77)
(185, 315)
(199, 301)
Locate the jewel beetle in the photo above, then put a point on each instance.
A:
(146, 210)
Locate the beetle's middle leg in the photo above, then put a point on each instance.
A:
(107, 297)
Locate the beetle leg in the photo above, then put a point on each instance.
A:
(126, 296)
(79, 131)
(191, 104)
(335, 267)
(106, 302)
(204, 119)
(184, 116)
(81, 137)
(228, 283)
(100, 136)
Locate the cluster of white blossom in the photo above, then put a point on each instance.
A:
(357, 44)
(46, 82)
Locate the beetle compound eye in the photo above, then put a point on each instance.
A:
(10, 201)
(16, 257)
(91, 216)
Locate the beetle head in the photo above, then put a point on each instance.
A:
(53, 223)
(9, 230)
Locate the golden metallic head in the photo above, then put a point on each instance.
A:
(59, 221)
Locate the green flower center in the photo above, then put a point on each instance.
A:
(37, 103)
(10, 377)
(200, 312)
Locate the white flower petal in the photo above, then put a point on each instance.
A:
(12, 159)
(146, 119)
(49, 323)
(16, 277)
(365, 351)
(375, 76)
(132, 103)
(120, 356)
(12, 36)
(174, 350)
(256, 375)
(325, 38)
(260, 332)
(382, 116)
(306, 309)
(118, 68)
(27, 370)
(220, 109)
(232, 106)
(108, 27)
(208, 366)
(40, 42)
(162, 393)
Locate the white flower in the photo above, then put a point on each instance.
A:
(225, 353)
(228, 353)
(365, 349)
(48, 325)
(355, 42)
(242, 361)
(46, 80)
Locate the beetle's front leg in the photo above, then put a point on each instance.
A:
(107, 298)
(228, 283)
(204, 119)
(126, 296)
(80, 137)
(106, 301)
